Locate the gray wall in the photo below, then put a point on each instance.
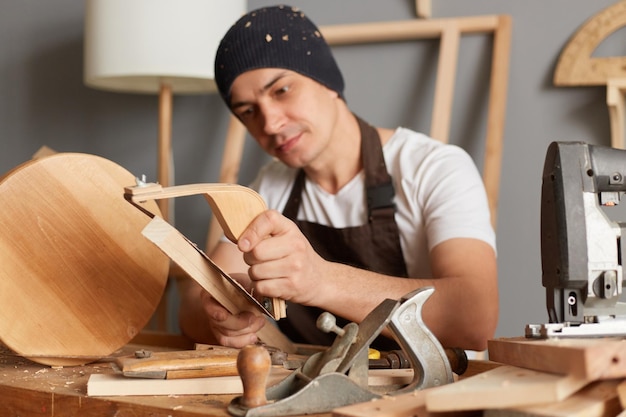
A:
(44, 102)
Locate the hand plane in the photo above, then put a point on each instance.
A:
(338, 376)
(581, 250)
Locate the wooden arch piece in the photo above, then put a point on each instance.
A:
(576, 66)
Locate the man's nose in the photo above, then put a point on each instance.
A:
(273, 119)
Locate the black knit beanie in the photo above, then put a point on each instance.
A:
(275, 37)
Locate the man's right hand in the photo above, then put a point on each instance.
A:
(234, 330)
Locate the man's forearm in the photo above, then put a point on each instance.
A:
(461, 312)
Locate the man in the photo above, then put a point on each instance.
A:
(358, 214)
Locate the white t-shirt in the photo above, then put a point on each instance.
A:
(439, 195)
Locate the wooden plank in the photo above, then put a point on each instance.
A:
(503, 387)
(410, 404)
(108, 385)
(405, 405)
(591, 359)
(404, 30)
(200, 268)
(599, 399)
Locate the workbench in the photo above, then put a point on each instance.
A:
(30, 389)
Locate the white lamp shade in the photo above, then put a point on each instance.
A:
(138, 45)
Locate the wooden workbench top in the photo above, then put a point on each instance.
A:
(30, 389)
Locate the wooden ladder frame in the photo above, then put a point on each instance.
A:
(449, 31)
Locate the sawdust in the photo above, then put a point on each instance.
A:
(18, 371)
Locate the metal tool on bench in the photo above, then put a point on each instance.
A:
(581, 249)
(338, 376)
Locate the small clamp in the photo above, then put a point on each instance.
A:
(338, 376)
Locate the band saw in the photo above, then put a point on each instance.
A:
(581, 249)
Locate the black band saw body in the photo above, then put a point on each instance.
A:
(581, 250)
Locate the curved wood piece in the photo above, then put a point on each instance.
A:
(234, 206)
(576, 66)
(78, 281)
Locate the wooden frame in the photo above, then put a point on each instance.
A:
(449, 31)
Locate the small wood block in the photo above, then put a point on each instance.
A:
(503, 387)
(598, 399)
(591, 359)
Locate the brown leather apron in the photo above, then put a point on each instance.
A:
(374, 246)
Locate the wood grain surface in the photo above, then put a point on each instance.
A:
(78, 280)
(591, 358)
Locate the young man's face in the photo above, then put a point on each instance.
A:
(291, 116)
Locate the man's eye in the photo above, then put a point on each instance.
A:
(245, 112)
(282, 89)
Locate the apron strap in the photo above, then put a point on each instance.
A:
(379, 187)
